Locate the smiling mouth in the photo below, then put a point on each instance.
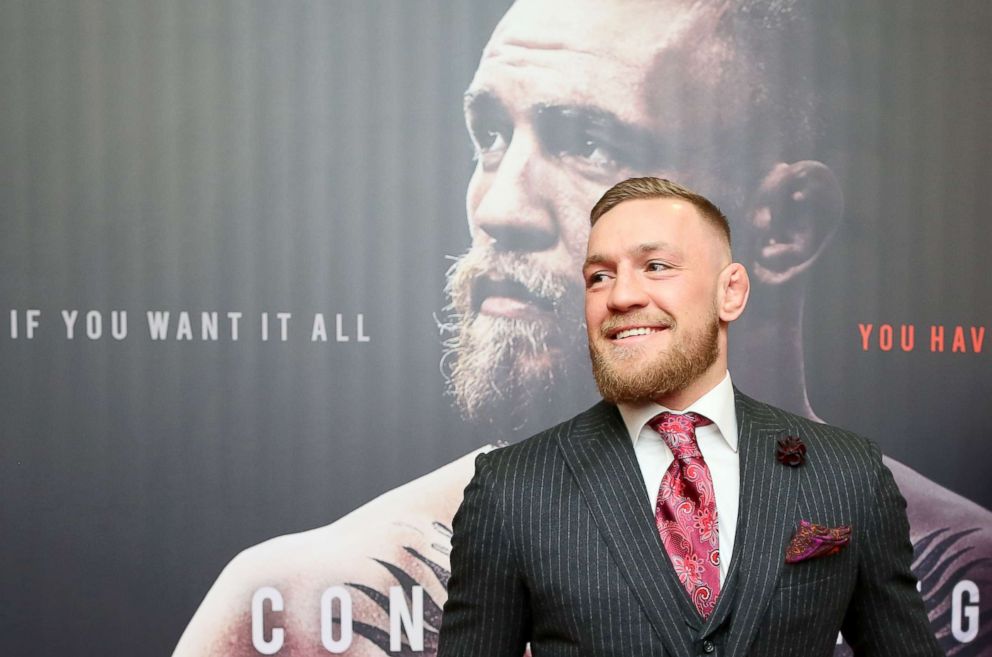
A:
(507, 298)
(618, 334)
(628, 333)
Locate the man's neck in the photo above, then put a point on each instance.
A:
(683, 399)
(767, 360)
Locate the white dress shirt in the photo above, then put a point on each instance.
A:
(718, 444)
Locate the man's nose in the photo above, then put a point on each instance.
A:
(626, 294)
(516, 211)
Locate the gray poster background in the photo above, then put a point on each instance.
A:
(311, 157)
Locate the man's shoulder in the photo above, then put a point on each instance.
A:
(812, 433)
(545, 444)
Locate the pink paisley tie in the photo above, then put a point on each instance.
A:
(686, 511)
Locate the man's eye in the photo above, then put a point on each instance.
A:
(590, 152)
(491, 131)
(492, 140)
(595, 279)
(657, 266)
(490, 136)
(597, 143)
(490, 146)
(572, 135)
(598, 155)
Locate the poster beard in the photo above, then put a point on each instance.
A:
(632, 375)
(511, 371)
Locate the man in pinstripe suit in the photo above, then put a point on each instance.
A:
(557, 541)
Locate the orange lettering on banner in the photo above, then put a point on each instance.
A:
(936, 338)
(885, 337)
(907, 337)
(977, 338)
(865, 330)
(958, 345)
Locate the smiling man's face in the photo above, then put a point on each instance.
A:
(568, 99)
(652, 274)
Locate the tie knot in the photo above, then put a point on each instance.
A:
(679, 432)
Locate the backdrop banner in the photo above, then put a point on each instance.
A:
(273, 273)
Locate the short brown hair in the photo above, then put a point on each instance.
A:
(647, 188)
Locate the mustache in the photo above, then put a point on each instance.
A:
(613, 323)
(483, 271)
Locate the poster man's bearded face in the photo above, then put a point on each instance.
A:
(568, 100)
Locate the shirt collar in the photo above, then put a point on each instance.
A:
(717, 405)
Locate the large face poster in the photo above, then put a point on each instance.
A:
(273, 272)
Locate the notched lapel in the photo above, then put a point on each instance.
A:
(766, 518)
(600, 455)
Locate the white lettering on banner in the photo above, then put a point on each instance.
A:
(273, 645)
(234, 317)
(342, 643)
(402, 619)
(400, 614)
(410, 621)
(283, 328)
(209, 329)
(118, 324)
(31, 322)
(184, 330)
(158, 324)
(319, 332)
(98, 324)
(360, 321)
(69, 318)
(338, 333)
(964, 610)
(94, 325)
(208, 326)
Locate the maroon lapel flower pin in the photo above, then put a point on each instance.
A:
(791, 451)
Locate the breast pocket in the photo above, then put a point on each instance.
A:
(818, 571)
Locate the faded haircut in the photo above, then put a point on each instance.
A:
(649, 188)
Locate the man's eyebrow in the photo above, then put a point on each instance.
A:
(638, 147)
(640, 249)
(481, 100)
(596, 116)
(594, 259)
(651, 247)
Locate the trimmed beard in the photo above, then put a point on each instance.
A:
(659, 374)
(509, 371)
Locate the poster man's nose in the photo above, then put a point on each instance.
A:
(515, 212)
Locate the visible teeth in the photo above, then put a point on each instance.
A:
(634, 331)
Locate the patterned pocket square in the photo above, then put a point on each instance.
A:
(812, 541)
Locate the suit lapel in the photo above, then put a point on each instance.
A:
(600, 455)
(766, 519)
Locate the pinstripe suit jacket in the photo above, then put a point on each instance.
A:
(555, 544)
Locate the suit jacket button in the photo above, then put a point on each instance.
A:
(708, 646)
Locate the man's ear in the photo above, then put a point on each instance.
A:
(735, 287)
(793, 215)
